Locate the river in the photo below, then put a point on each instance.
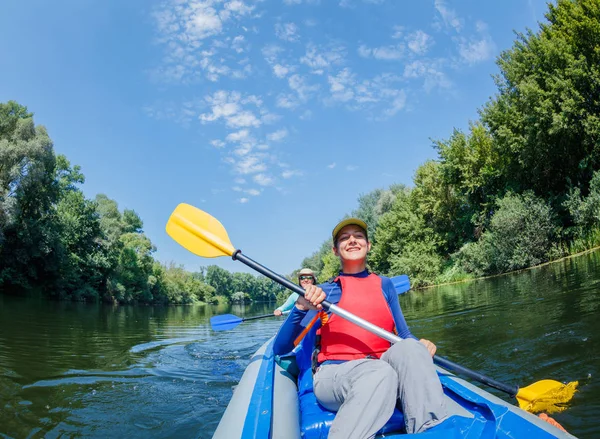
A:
(82, 370)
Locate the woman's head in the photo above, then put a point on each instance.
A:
(306, 277)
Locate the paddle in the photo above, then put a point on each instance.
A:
(204, 235)
(401, 283)
(226, 322)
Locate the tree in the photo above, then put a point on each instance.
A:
(520, 235)
(405, 244)
(545, 119)
(27, 192)
(220, 279)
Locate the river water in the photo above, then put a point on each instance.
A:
(97, 371)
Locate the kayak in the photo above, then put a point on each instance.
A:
(269, 402)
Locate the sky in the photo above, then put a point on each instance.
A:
(271, 115)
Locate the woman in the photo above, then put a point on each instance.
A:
(306, 277)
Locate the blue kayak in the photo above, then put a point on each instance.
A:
(271, 403)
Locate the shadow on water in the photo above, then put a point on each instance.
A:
(77, 370)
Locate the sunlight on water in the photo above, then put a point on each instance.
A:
(103, 371)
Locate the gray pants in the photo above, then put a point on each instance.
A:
(364, 392)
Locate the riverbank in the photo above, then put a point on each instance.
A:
(593, 249)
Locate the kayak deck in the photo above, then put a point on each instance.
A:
(270, 403)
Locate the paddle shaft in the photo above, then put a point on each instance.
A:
(392, 338)
(245, 319)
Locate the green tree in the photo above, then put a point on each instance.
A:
(27, 193)
(220, 279)
(545, 119)
(405, 244)
(520, 235)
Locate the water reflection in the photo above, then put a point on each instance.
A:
(101, 371)
(523, 327)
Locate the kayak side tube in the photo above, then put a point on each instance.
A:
(264, 403)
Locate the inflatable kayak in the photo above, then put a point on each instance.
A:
(269, 402)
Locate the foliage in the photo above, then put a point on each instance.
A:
(546, 118)
(520, 235)
(54, 240)
(405, 244)
(520, 187)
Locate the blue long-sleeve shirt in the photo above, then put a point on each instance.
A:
(289, 303)
(298, 320)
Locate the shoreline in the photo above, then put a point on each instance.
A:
(509, 272)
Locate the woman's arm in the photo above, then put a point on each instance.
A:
(289, 303)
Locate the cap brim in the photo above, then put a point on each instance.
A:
(348, 222)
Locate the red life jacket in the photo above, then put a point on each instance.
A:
(342, 340)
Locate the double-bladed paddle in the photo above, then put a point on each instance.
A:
(205, 236)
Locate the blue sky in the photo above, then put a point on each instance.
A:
(272, 115)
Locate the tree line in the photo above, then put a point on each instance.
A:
(521, 186)
(57, 243)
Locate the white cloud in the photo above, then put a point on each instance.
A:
(331, 166)
(319, 60)
(474, 51)
(217, 143)
(351, 168)
(476, 48)
(277, 135)
(243, 200)
(273, 54)
(448, 15)
(280, 71)
(186, 29)
(398, 32)
(253, 192)
(238, 7)
(237, 43)
(385, 53)
(302, 89)
(287, 32)
(341, 86)
(429, 72)
(238, 136)
(248, 165)
(397, 99)
(229, 106)
(287, 101)
(419, 42)
(243, 149)
(263, 179)
(290, 173)
(372, 94)
(243, 119)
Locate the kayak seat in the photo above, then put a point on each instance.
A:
(315, 420)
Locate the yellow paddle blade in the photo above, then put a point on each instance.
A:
(547, 396)
(199, 232)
